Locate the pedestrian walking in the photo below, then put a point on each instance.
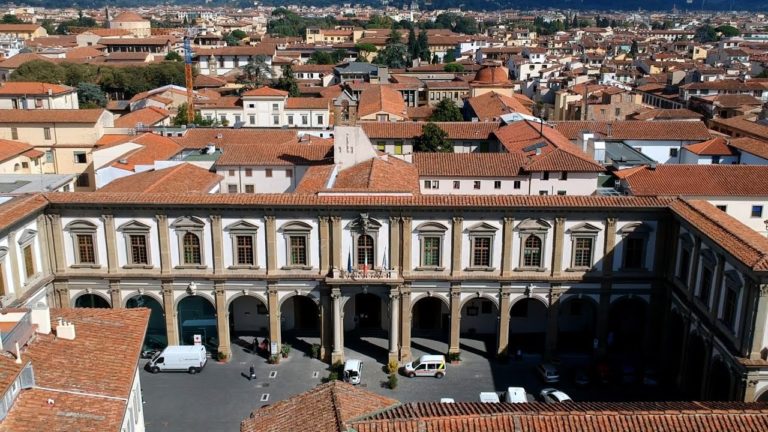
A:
(252, 374)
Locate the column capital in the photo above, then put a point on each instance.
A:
(335, 219)
(269, 218)
(406, 219)
(505, 293)
(107, 217)
(405, 289)
(508, 219)
(214, 217)
(161, 217)
(457, 219)
(560, 220)
(394, 219)
(611, 220)
(763, 290)
(335, 293)
(323, 218)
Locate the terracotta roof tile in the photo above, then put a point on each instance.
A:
(182, 178)
(51, 116)
(11, 149)
(751, 145)
(17, 88)
(743, 124)
(153, 148)
(411, 130)
(667, 114)
(697, 180)
(268, 153)
(491, 106)
(19, 59)
(637, 130)
(314, 180)
(265, 91)
(325, 408)
(717, 146)
(469, 164)
(379, 174)
(20, 208)
(381, 98)
(148, 116)
(742, 242)
(307, 103)
(199, 137)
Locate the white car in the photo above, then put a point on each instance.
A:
(447, 400)
(489, 397)
(551, 395)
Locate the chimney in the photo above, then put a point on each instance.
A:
(609, 130)
(41, 317)
(65, 330)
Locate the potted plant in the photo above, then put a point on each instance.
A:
(392, 367)
(274, 359)
(222, 357)
(392, 381)
(315, 351)
(285, 350)
(454, 358)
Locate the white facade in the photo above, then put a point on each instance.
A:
(49, 101)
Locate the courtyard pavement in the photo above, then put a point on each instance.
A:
(221, 396)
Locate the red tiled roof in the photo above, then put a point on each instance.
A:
(563, 160)
(182, 178)
(751, 145)
(148, 116)
(263, 48)
(379, 174)
(717, 146)
(11, 149)
(491, 106)
(381, 98)
(744, 243)
(266, 153)
(314, 179)
(696, 180)
(307, 103)
(744, 124)
(12, 28)
(14, 88)
(637, 130)
(265, 91)
(667, 114)
(89, 116)
(128, 16)
(20, 208)
(469, 164)
(19, 59)
(325, 408)
(411, 130)
(199, 137)
(153, 148)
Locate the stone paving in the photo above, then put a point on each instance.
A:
(219, 397)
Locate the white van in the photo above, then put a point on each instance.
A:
(426, 365)
(190, 358)
(515, 395)
(353, 371)
(489, 397)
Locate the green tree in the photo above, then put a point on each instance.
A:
(422, 44)
(181, 118)
(320, 58)
(174, 56)
(39, 70)
(256, 71)
(412, 44)
(727, 31)
(10, 19)
(454, 67)
(446, 110)
(633, 49)
(47, 24)
(457, 23)
(705, 33)
(379, 22)
(449, 57)
(365, 49)
(338, 55)
(90, 95)
(432, 139)
(394, 53)
(239, 34)
(287, 82)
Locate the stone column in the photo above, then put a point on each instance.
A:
(270, 232)
(691, 282)
(552, 311)
(325, 244)
(217, 239)
(326, 325)
(46, 245)
(704, 385)
(506, 247)
(603, 311)
(62, 294)
(394, 243)
(557, 250)
(338, 349)
(110, 234)
(394, 324)
(407, 245)
(222, 320)
(609, 246)
(115, 295)
(456, 243)
(750, 391)
(503, 334)
(760, 322)
(336, 260)
(684, 353)
(455, 341)
(164, 243)
(274, 316)
(405, 323)
(169, 308)
(13, 260)
(57, 236)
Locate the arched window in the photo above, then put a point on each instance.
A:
(191, 249)
(365, 250)
(532, 251)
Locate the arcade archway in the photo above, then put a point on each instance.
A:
(528, 326)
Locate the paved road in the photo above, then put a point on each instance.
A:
(219, 397)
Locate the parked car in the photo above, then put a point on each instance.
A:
(426, 365)
(447, 400)
(353, 371)
(581, 377)
(190, 358)
(489, 397)
(515, 395)
(548, 372)
(551, 395)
